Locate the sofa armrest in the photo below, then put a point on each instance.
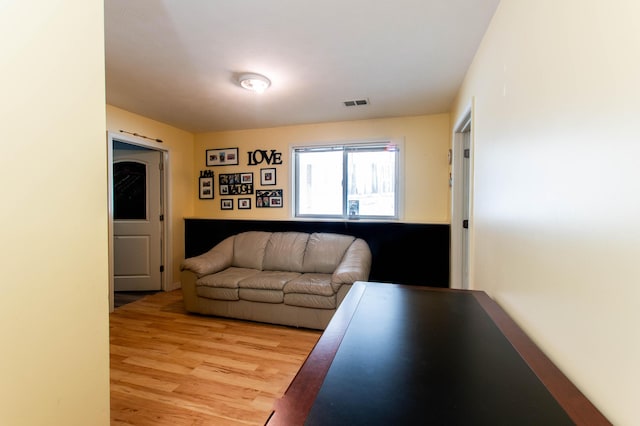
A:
(215, 260)
(354, 266)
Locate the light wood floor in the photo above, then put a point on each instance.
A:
(172, 368)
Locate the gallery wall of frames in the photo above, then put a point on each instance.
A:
(241, 190)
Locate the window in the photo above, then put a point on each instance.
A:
(347, 181)
(129, 190)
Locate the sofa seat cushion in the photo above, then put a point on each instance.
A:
(268, 280)
(229, 278)
(314, 284)
(217, 293)
(310, 300)
(264, 296)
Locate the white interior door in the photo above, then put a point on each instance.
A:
(137, 224)
(461, 203)
(466, 204)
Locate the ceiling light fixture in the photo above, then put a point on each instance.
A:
(254, 82)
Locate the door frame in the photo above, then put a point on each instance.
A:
(166, 210)
(465, 119)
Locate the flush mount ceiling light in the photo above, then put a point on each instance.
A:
(254, 82)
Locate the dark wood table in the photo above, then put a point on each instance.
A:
(403, 355)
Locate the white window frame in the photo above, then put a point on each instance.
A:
(345, 146)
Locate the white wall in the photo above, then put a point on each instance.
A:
(557, 185)
(54, 325)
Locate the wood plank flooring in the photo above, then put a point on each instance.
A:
(121, 298)
(173, 368)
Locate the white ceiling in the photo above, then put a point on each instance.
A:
(177, 61)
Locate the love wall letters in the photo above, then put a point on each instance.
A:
(259, 156)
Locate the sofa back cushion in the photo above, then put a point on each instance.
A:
(325, 251)
(285, 251)
(248, 249)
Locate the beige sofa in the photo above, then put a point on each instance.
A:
(288, 278)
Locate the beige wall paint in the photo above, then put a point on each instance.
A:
(425, 142)
(182, 181)
(557, 239)
(54, 362)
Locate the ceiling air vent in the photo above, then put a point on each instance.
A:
(356, 102)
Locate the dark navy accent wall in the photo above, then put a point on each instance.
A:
(402, 253)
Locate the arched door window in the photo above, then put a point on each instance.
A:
(129, 191)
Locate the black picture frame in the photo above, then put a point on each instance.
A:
(226, 204)
(268, 176)
(244, 203)
(271, 198)
(206, 188)
(235, 183)
(222, 157)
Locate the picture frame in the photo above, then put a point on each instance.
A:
(206, 188)
(276, 201)
(226, 204)
(271, 198)
(268, 176)
(246, 178)
(222, 157)
(244, 203)
(235, 183)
